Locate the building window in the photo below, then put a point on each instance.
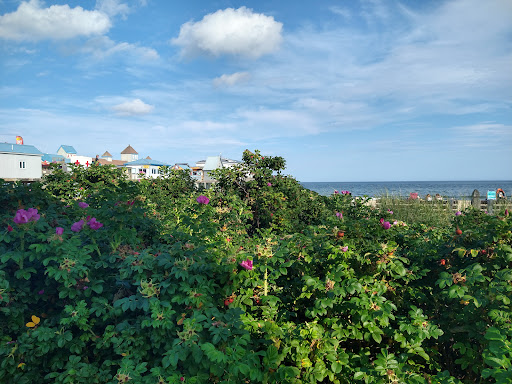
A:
(22, 164)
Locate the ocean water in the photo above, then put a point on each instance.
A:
(447, 189)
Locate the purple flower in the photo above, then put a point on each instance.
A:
(506, 212)
(247, 264)
(269, 184)
(41, 292)
(386, 225)
(59, 231)
(85, 287)
(203, 200)
(77, 227)
(23, 217)
(458, 213)
(94, 224)
(390, 211)
(336, 192)
(83, 205)
(344, 249)
(339, 214)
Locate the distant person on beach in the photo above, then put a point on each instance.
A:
(500, 193)
(428, 197)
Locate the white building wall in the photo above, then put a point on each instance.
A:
(82, 160)
(10, 167)
(134, 171)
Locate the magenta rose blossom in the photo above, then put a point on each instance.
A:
(94, 224)
(269, 184)
(203, 199)
(59, 231)
(83, 205)
(23, 217)
(77, 227)
(458, 213)
(386, 224)
(247, 264)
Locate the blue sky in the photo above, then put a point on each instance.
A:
(343, 90)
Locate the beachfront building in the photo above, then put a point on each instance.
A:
(106, 159)
(20, 162)
(129, 154)
(143, 168)
(69, 153)
(201, 172)
(49, 158)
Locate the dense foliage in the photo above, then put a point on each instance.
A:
(257, 280)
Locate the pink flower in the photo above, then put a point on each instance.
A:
(94, 224)
(390, 211)
(506, 212)
(336, 192)
(77, 227)
(9, 228)
(269, 184)
(458, 213)
(59, 231)
(83, 205)
(339, 214)
(23, 217)
(386, 225)
(247, 264)
(203, 200)
(41, 292)
(344, 249)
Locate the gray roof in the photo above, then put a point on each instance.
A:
(19, 149)
(212, 162)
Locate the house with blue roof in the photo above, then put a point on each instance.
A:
(20, 162)
(66, 150)
(143, 168)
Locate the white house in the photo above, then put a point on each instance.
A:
(143, 168)
(68, 152)
(20, 162)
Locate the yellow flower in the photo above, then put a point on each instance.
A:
(35, 321)
(21, 365)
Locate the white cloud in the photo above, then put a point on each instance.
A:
(238, 32)
(113, 7)
(133, 108)
(102, 47)
(230, 80)
(32, 22)
(344, 12)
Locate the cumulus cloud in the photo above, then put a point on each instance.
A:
(230, 80)
(239, 32)
(32, 22)
(133, 108)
